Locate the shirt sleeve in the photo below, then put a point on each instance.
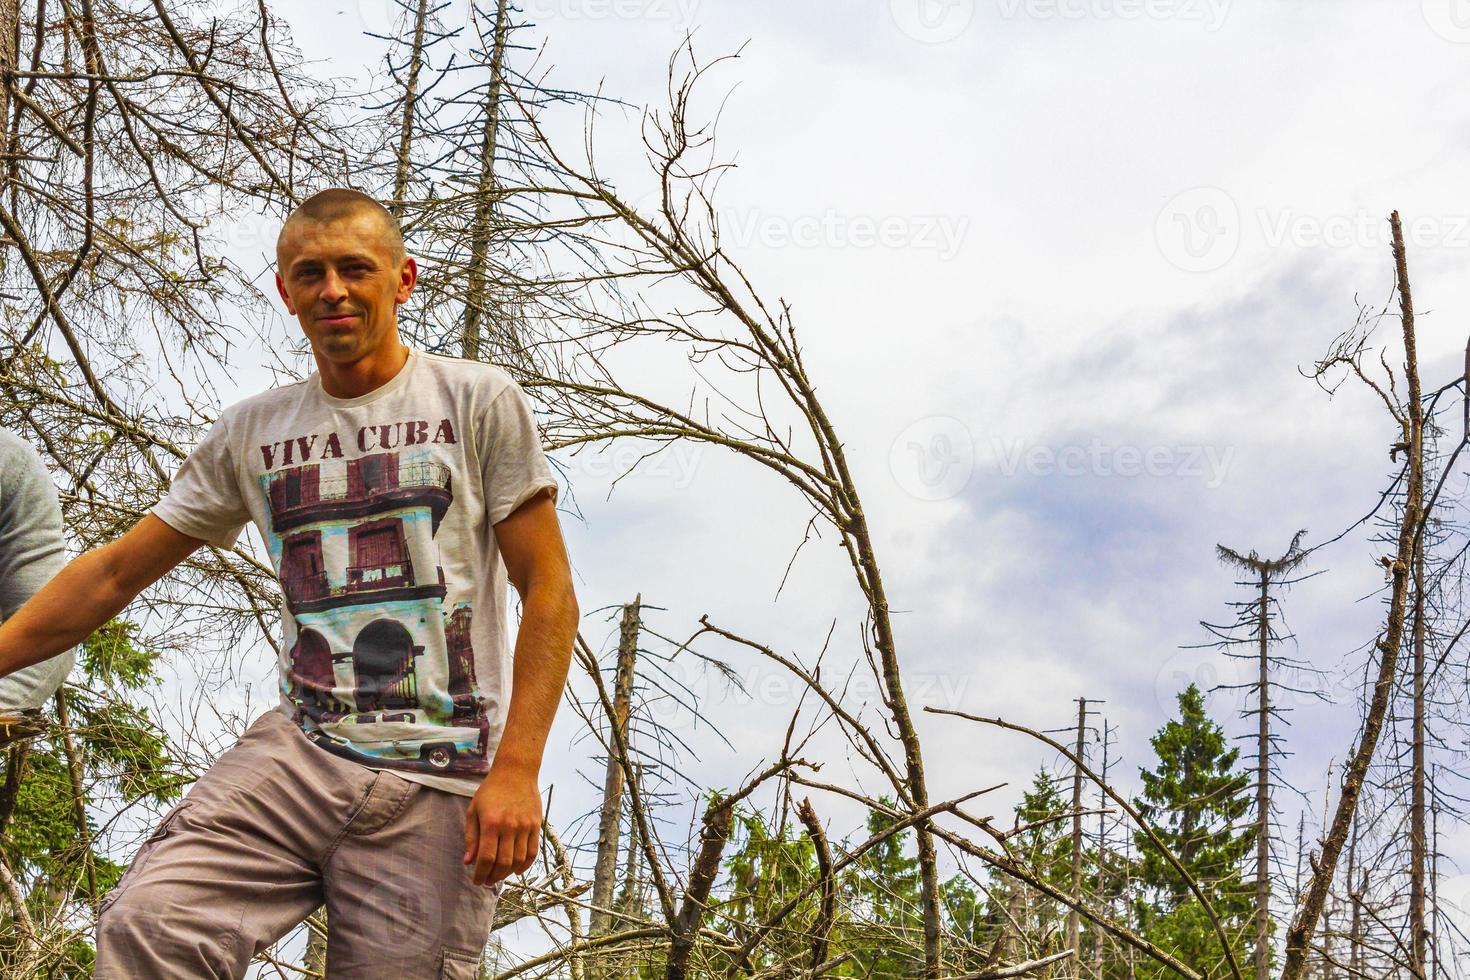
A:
(204, 499)
(513, 465)
(31, 553)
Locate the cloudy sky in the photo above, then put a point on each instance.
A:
(1057, 267)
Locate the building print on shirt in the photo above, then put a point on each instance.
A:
(380, 668)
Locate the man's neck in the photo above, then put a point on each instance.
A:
(367, 373)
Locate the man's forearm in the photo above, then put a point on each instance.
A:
(66, 610)
(543, 654)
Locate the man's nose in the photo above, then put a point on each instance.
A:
(334, 290)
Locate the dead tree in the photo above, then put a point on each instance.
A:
(1409, 418)
(755, 339)
(1074, 918)
(1266, 573)
(605, 871)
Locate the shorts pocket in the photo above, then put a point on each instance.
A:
(141, 858)
(459, 964)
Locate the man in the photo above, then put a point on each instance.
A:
(397, 491)
(31, 551)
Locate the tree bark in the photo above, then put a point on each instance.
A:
(316, 942)
(1074, 918)
(1304, 925)
(1263, 786)
(404, 163)
(713, 835)
(605, 871)
(1418, 859)
(826, 913)
(477, 298)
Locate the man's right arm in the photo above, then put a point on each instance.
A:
(89, 591)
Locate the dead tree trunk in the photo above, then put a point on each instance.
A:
(1267, 572)
(1418, 859)
(827, 911)
(1411, 422)
(316, 942)
(74, 765)
(631, 900)
(1102, 859)
(713, 836)
(403, 162)
(1074, 918)
(1263, 786)
(9, 59)
(604, 875)
(477, 299)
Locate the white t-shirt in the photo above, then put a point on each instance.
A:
(378, 512)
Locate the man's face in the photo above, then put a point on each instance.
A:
(343, 282)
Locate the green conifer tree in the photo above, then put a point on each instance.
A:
(1199, 803)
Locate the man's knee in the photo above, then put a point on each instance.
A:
(144, 931)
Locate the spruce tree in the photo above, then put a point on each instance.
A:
(1199, 804)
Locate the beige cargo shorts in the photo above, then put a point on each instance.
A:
(276, 828)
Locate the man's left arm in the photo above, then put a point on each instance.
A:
(503, 823)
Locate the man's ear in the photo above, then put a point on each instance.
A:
(281, 288)
(408, 276)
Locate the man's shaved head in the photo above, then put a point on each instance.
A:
(336, 204)
(342, 272)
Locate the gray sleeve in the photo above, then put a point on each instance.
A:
(31, 553)
(512, 462)
(204, 499)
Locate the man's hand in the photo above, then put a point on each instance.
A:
(502, 828)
